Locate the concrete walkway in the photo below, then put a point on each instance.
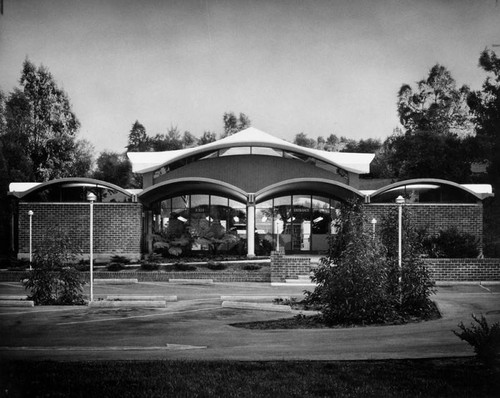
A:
(198, 327)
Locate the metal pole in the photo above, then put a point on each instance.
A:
(91, 197)
(374, 223)
(91, 250)
(400, 201)
(30, 214)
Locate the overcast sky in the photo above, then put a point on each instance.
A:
(317, 67)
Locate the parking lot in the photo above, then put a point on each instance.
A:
(196, 326)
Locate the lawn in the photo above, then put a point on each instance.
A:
(451, 377)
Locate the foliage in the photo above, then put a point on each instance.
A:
(436, 105)
(184, 267)
(251, 267)
(39, 129)
(484, 338)
(52, 281)
(150, 266)
(138, 140)
(352, 281)
(114, 266)
(451, 243)
(416, 283)
(233, 124)
(114, 168)
(207, 137)
(216, 266)
(120, 259)
(301, 139)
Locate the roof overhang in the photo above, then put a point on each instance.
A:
(144, 162)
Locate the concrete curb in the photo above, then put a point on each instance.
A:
(256, 306)
(192, 281)
(467, 283)
(15, 298)
(254, 299)
(132, 297)
(14, 303)
(127, 304)
(115, 281)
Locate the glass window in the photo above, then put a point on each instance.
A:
(257, 150)
(242, 150)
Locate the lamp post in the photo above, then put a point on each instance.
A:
(400, 202)
(30, 214)
(91, 198)
(374, 223)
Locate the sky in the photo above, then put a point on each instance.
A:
(315, 66)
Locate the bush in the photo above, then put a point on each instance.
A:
(352, 282)
(416, 283)
(52, 281)
(251, 267)
(120, 260)
(149, 266)
(115, 267)
(184, 267)
(451, 243)
(484, 338)
(216, 266)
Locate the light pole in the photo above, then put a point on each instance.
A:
(30, 214)
(91, 198)
(400, 202)
(374, 223)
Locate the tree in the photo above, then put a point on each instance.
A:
(436, 105)
(232, 124)
(189, 140)
(42, 124)
(83, 162)
(425, 154)
(301, 139)
(138, 140)
(207, 137)
(114, 168)
(167, 142)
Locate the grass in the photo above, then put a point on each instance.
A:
(450, 377)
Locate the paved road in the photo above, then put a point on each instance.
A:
(197, 327)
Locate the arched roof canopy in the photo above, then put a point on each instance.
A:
(69, 189)
(184, 186)
(144, 162)
(312, 186)
(428, 190)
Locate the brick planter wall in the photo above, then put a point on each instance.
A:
(117, 227)
(285, 267)
(436, 216)
(464, 269)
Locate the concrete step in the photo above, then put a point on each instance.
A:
(124, 281)
(192, 281)
(127, 304)
(12, 297)
(256, 306)
(135, 297)
(16, 303)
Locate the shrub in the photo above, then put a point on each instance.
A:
(484, 338)
(120, 260)
(416, 283)
(216, 266)
(52, 281)
(451, 243)
(352, 280)
(115, 267)
(150, 266)
(184, 267)
(251, 267)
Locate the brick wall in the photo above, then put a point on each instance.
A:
(117, 227)
(464, 269)
(434, 217)
(286, 267)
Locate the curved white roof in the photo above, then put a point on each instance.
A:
(143, 162)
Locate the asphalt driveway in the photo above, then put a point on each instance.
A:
(197, 327)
